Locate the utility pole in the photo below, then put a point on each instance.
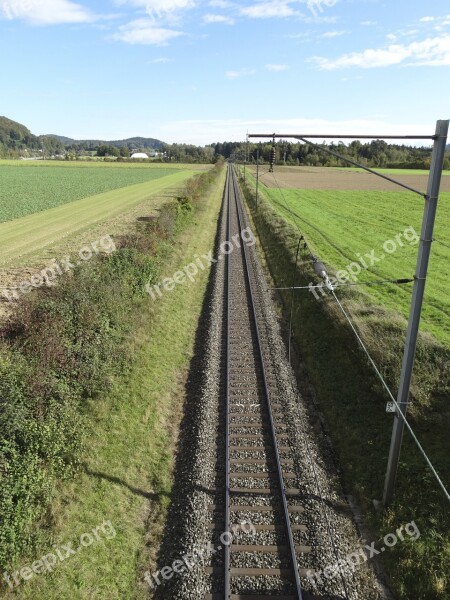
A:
(257, 178)
(434, 183)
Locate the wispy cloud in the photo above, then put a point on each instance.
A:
(161, 24)
(277, 68)
(211, 19)
(160, 61)
(240, 73)
(429, 52)
(46, 12)
(144, 31)
(158, 9)
(269, 10)
(161, 8)
(333, 34)
(221, 4)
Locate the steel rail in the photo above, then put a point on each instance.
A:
(246, 263)
(227, 583)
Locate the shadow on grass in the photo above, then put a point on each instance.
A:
(117, 481)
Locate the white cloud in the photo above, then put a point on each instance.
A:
(160, 61)
(209, 19)
(162, 12)
(333, 34)
(45, 12)
(277, 68)
(240, 73)
(144, 31)
(161, 8)
(427, 19)
(269, 10)
(368, 23)
(221, 4)
(429, 52)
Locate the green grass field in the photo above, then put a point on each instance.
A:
(27, 189)
(343, 226)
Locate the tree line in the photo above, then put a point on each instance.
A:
(376, 153)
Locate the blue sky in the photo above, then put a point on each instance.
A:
(200, 71)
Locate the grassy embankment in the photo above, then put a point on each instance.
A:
(133, 416)
(349, 394)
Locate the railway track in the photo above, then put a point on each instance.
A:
(256, 470)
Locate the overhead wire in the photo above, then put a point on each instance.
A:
(321, 285)
(441, 243)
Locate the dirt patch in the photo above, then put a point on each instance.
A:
(311, 178)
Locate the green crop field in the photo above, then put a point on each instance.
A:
(27, 189)
(29, 236)
(343, 226)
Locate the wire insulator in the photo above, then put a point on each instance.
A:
(273, 158)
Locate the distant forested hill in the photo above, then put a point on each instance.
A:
(135, 142)
(17, 140)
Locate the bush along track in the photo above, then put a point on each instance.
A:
(58, 353)
(353, 404)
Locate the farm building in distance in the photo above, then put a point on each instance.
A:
(138, 155)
